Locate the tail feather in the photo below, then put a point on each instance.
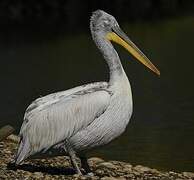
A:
(23, 151)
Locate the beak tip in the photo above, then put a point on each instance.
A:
(158, 73)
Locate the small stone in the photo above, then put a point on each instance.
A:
(109, 178)
(76, 175)
(188, 174)
(142, 169)
(121, 178)
(8, 152)
(90, 174)
(99, 172)
(127, 168)
(83, 178)
(129, 176)
(107, 165)
(47, 177)
(136, 173)
(154, 171)
(38, 175)
(96, 160)
(13, 138)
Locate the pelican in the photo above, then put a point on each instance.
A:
(79, 119)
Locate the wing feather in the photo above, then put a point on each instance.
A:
(55, 97)
(54, 122)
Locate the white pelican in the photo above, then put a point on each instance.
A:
(87, 116)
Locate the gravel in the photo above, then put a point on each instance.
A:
(60, 168)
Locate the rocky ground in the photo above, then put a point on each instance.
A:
(60, 168)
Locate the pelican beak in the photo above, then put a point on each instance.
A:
(121, 38)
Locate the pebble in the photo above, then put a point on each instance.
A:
(13, 138)
(142, 169)
(38, 175)
(188, 174)
(128, 166)
(96, 160)
(107, 165)
(112, 178)
(55, 169)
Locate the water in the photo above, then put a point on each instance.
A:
(161, 130)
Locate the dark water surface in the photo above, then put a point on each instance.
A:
(161, 130)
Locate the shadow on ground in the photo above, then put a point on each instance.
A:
(44, 169)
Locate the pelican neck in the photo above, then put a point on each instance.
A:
(110, 55)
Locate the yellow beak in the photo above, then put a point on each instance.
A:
(121, 38)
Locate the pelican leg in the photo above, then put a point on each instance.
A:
(74, 163)
(85, 165)
(72, 156)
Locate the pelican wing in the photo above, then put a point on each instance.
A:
(59, 116)
(55, 97)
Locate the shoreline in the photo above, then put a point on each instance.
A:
(60, 168)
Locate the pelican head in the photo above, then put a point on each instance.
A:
(106, 25)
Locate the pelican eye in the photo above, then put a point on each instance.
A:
(106, 23)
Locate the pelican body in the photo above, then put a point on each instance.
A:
(88, 116)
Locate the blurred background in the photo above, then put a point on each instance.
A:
(45, 46)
